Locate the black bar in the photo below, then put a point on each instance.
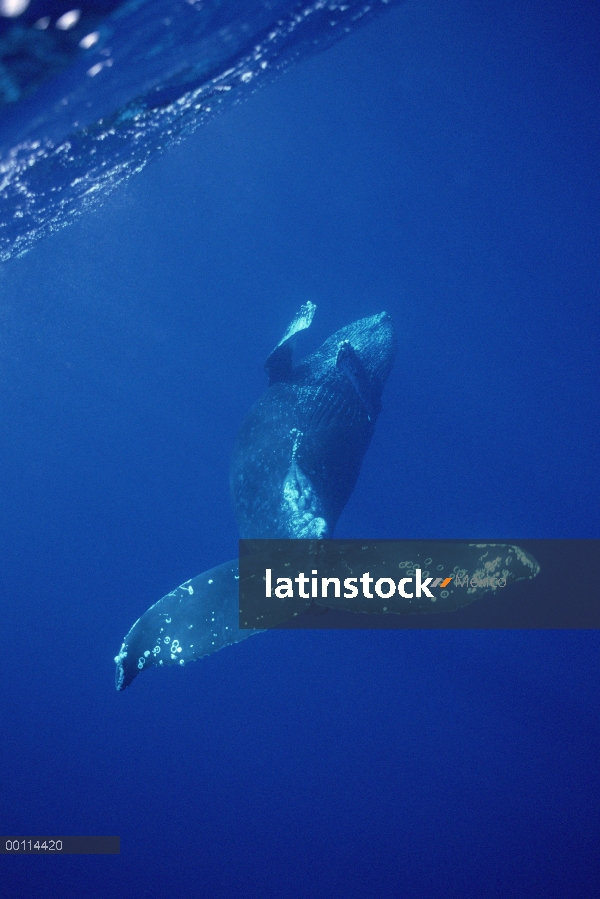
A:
(60, 845)
(564, 592)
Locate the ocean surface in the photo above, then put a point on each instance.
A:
(439, 162)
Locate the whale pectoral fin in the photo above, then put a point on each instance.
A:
(279, 363)
(349, 363)
(198, 618)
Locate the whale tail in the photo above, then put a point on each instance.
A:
(195, 620)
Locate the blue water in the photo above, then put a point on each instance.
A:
(440, 163)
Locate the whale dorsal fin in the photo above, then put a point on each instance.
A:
(279, 363)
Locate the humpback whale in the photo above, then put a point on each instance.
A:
(294, 465)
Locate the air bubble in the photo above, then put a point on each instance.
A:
(68, 20)
(89, 40)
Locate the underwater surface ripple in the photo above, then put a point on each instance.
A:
(138, 92)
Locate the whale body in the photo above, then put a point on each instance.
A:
(299, 451)
(294, 465)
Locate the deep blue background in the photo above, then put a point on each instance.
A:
(441, 164)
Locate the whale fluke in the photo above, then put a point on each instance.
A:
(195, 620)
